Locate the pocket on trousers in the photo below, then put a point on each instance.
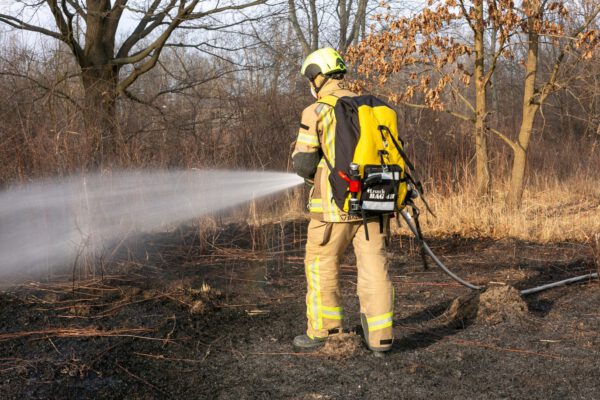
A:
(319, 232)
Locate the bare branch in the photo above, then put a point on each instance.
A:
(494, 62)
(502, 136)
(185, 13)
(65, 28)
(142, 29)
(426, 107)
(78, 7)
(361, 15)
(155, 46)
(296, 25)
(49, 89)
(218, 10)
(115, 17)
(550, 85)
(20, 24)
(464, 99)
(467, 15)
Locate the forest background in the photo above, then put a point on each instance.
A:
(498, 102)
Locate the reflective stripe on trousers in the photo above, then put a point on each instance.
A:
(333, 312)
(313, 308)
(316, 311)
(381, 321)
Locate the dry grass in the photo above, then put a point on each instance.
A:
(551, 211)
(342, 345)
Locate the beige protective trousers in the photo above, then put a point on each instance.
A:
(325, 246)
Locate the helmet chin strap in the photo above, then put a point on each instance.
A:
(314, 89)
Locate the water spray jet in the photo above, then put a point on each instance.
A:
(50, 223)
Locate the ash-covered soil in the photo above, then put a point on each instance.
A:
(172, 317)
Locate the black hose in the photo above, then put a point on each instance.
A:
(451, 274)
(413, 228)
(559, 283)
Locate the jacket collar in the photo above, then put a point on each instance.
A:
(330, 86)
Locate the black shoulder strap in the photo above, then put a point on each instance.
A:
(346, 135)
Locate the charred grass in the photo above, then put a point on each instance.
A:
(168, 318)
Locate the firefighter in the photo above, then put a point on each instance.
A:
(330, 230)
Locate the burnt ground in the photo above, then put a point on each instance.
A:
(144, 326)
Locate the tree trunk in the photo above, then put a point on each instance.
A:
(99, 112)
(100, 78)
(482, 172)
(344, 21)
(517, 177)
(314, 26)
(530, 109)
(492, 83)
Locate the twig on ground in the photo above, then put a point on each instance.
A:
(53, 345)
(473, 343)
(107, 312)
(168, 338)
(103, 352)
(163, 358)
(78, 332)
(142, 380)
(288, 354)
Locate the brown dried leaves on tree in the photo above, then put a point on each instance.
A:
(431, 55)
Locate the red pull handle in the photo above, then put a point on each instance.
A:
(344, 176)
(353, 184)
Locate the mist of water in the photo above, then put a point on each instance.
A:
(49, 223)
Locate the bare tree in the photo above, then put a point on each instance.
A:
(535, 90)
(108, 68)
(306, 16)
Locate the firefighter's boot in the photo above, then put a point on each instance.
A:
(306, 343)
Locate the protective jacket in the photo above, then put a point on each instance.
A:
(315, 138)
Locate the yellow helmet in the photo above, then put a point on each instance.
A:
(324, 61)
